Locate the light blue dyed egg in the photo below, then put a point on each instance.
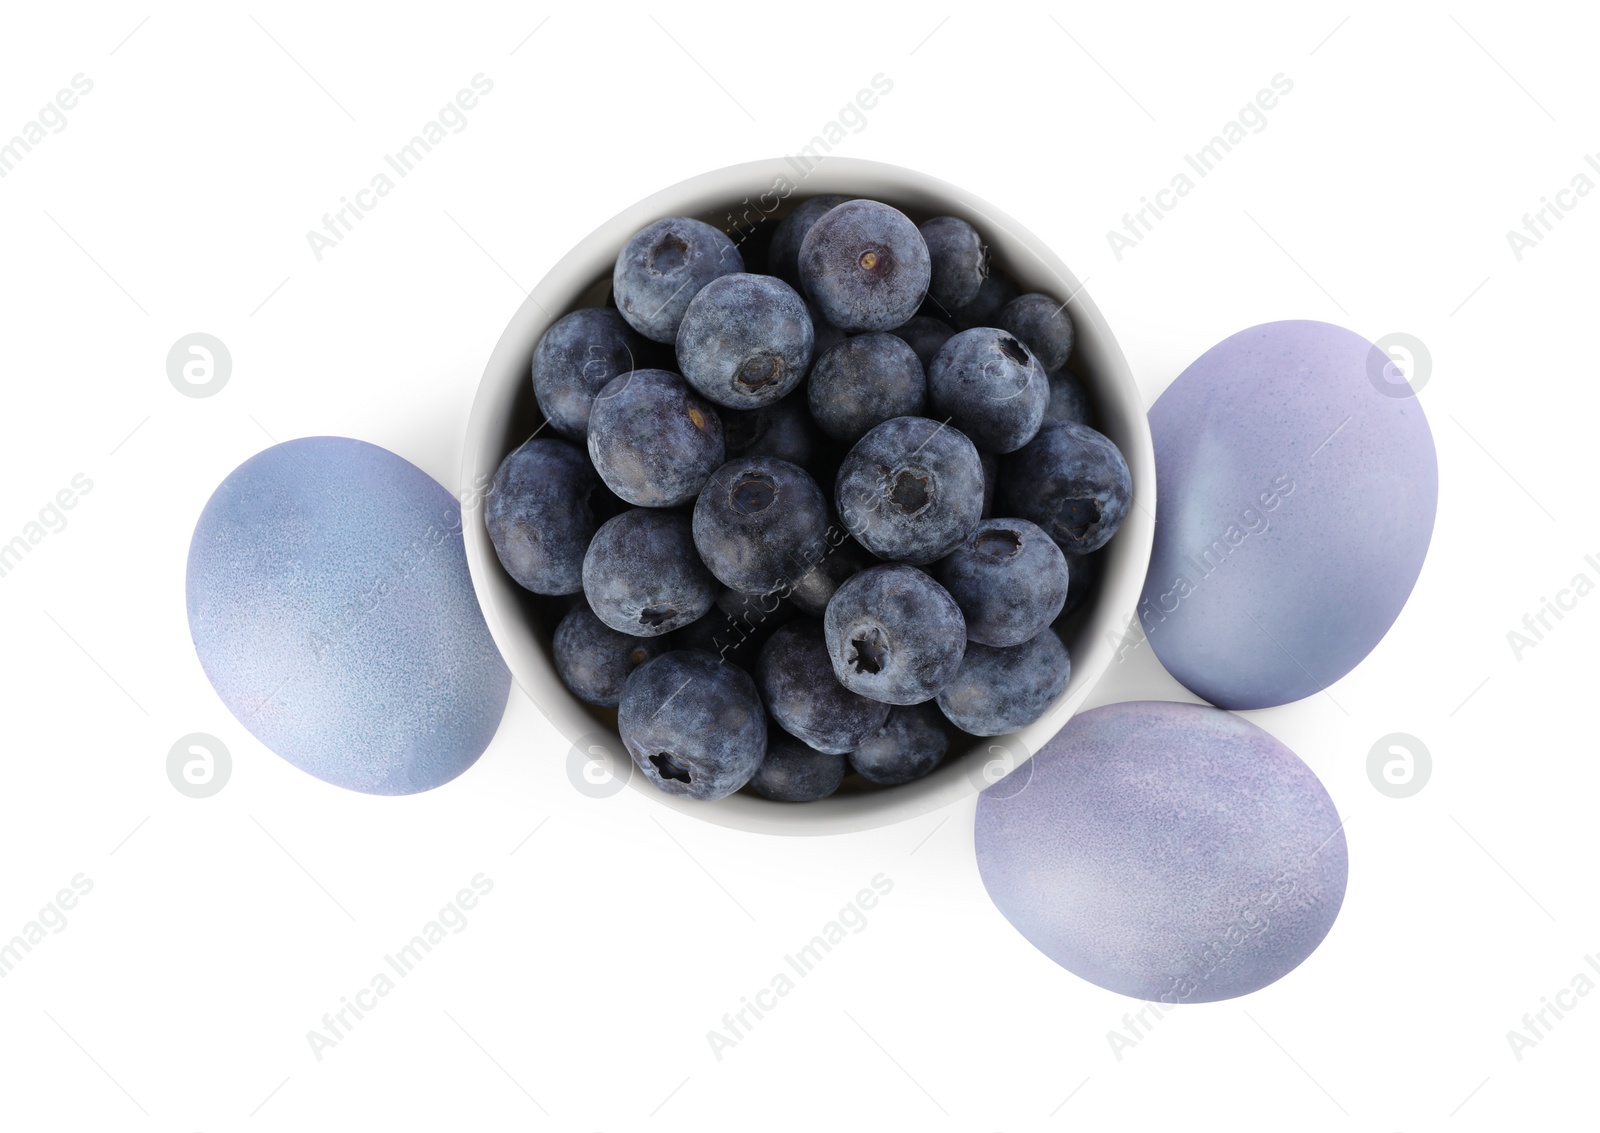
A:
(330, 605)
(1175, 853)
(1295, 502)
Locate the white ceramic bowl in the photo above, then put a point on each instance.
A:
(505, 413)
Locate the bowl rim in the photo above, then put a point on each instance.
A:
(1102, 628)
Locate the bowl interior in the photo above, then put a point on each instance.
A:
(740, 199)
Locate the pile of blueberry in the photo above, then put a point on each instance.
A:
(807, 521)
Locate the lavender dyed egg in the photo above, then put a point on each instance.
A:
(1296, 501)
(1175, 853)
(331, 609)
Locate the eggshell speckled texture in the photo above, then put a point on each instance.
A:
(1174, 853)
(1296, 503)
(330, 605)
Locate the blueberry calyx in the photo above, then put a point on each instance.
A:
(868, 651)
(655, 615)
(1076, 518)
(1014, 350)
(909, 491)
(754, 492)
(759, 370)
(669, 768)
(1000, 544)
(669, 255)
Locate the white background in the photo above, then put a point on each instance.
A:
(219, 931)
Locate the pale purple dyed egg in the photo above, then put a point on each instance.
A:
(1175, 853)
(1296, 502)
(330, 606)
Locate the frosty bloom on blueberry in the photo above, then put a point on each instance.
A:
(541, 515)
(795, 773)
(577, 356)
(991, 387)
(745, 340)
(693, 725)
(959, 261)
(797, 685)
(594, 660)
(864, 381)
(911, 490)
(1072, 482)
(652, 439)
(865, 266)
(1009, 578)
(663, 267)
(783, 255)
(910, 744)
(894, 635)
(641, 574)
(755, 522)
(1043, 325)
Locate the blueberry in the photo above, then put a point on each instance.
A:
(894, 634)
(990, 387)
(745, 340)
(1072, 482)
(642, 575)
(579, 353)
(1069, 400)
(793, 772)
(693, 726)
(541, 514)
(783, 254)
(1001, 690)
(1043, 325)
(593, 660)
(1009, 578)
(783, 429)
(865, 266)
(911, 490)
(991, 479)
(811, 590)
(863, 381)
(959, 260)
(663, 267)
(924, 335)
(910, 744)
(1083, 574)
(653, 440)
(795, 677)
(758, 522)
(984, 310)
